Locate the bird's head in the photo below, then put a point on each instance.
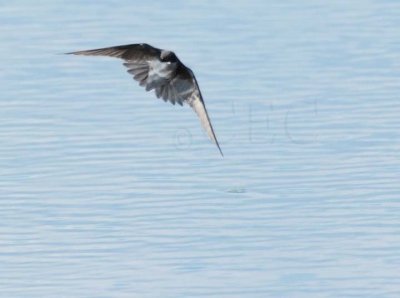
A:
(168, 56)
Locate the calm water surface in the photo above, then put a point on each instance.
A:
(106, 191)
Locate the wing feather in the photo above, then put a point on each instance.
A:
(197, 104)
(133, 52)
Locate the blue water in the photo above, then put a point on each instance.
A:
(106, 191)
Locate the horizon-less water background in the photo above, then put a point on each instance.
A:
(106, 191)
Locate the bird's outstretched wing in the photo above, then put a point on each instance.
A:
(162, 71)
(184, 87)
(135, 52)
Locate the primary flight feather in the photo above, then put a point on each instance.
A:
(162, 71)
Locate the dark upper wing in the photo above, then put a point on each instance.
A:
(134, 52)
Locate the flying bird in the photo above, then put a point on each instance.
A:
(162, 71)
